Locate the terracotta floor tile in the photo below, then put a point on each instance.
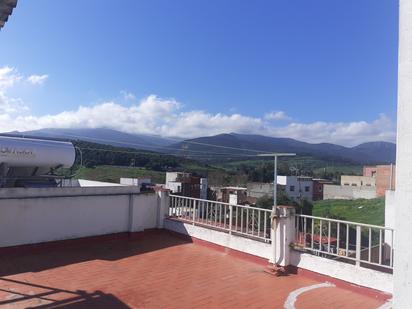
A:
(158, 270)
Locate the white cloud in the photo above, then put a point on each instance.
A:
(37, 79)
(8, 77)
(343, 133)
(128, 96)
(155, 115)
(279, 115)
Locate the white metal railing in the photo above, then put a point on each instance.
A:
(363, 244)
(235, 219)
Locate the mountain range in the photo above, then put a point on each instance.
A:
(228, 145)
(103, 136)
(231, 146)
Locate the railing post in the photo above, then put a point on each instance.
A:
(230, 218)
(163, 204)
(194, 212)
(358, 245)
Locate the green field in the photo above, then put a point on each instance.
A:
(113, 173)
(338, 169)
(304, 164)
(361, 210)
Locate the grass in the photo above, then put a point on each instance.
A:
(318, 166)
(361, 210)
(114, 173)
(339, 169)
(200, 169)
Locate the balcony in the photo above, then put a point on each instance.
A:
(115, 248)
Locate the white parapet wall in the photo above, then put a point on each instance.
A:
(343, 271)
(38, 215)
(347, 272)
(250, 246)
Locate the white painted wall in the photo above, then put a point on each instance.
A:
(358, 275)
(134, 181)
(174, 186)
(203, 188)
(87, 183)
(242, 244)
(403, 216)
(299, 185)
(233, 199)
(173, 176)
(39, 215)
(93, 183)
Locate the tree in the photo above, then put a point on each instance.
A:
(303, 207)
(267, 201)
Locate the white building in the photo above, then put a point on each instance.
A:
(203, 188)
(187, 185)
(296, 188)
(175, 177)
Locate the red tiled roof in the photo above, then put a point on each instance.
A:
(155, 270)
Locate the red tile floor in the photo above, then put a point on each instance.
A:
(156, 269)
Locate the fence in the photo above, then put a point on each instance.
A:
(242, 220)
(362, 244)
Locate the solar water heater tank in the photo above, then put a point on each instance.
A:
(28, 158)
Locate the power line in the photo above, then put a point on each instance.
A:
(198, 153)
(148, 153)
(218, 146)
(39, 142)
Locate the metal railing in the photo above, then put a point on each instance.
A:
(362, 244)
(242, 220)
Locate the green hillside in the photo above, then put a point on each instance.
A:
(114, 173)
(262, 170)
(361, 210)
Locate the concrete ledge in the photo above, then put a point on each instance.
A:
(30, 193)
(347, 272)
(234, 242)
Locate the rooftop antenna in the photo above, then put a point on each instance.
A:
(275, 156)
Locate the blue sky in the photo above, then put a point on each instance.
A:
(314, 68)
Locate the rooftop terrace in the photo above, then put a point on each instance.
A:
(157, 269)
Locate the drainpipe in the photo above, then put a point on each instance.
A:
(273, 237)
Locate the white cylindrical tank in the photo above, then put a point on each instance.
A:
(27, 152)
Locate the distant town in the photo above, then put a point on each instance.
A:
(374, 182)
